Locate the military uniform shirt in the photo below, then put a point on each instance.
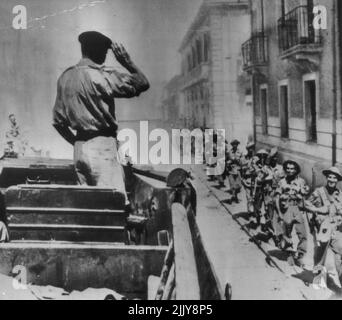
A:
(295, 189)
(85, 96)
(278, 175)
(320, 198)
(235, 159)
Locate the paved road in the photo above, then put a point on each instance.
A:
(239, 261)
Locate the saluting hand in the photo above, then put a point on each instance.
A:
(121, 55)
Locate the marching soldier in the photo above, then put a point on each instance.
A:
(292, 189)
(233, 168)
(262, 175)
(248, 158)
(277, 174)
(277, 169)
(222, 178)
(325, 203)
(248, 172)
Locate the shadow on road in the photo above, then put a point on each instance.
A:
(227, 201)
(261, 238)
(243, 215)
(306, 276)
(279, 254)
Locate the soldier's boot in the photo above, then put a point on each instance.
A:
(235, 196)
(253, 221)
(331, 284)
(295, 260)
(257, 219)
(286, 243)
(250, 210)
(211, 178)
(299, 260)
(264, 223)
(221, 182)
(250, 207)
(277, 240)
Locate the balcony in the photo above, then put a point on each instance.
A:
(197, 74)
(255, 51)
(297, 35)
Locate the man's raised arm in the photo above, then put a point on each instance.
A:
(141, 82)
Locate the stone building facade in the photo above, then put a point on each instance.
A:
(214, 88)
(295, 75)
(171, 106)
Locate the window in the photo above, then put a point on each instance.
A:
(263, 108)
(199, 51)
(206, 47)
(189, 63)
(194, 59)
(284, 98)
(310, 5)
(282, 8)
(259, 16)
(310, 109)
(204, 116)
(311, 17)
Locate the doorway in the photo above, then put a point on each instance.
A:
(310, 107)
(284, 111)
(264, 106)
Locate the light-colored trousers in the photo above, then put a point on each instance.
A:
(97, 164)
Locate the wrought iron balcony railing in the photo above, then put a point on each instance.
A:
(296, 28)
(255, 51)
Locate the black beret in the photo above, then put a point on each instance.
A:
(94, 39)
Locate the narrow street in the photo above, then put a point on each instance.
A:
(237, 260)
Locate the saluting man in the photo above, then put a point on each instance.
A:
(85, 104)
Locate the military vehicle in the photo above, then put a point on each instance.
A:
(74, 237)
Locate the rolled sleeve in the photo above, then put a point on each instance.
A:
(121, 85)
(59, 115)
